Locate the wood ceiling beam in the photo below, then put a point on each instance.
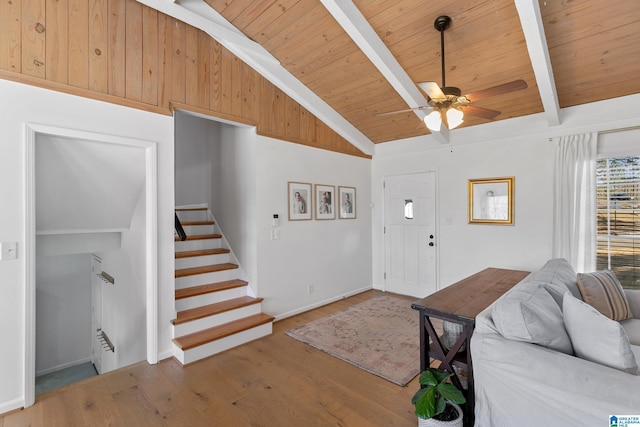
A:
(533, 28)
(363, 35)
(200, 15)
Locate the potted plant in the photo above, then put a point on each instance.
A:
(436, 401)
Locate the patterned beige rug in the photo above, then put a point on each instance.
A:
(381, 336)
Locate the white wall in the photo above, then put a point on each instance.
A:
(194, 151)
(63, 311)
(516, 147)
(27, 104)
(234, 200)
(332, 255)
(124, 302)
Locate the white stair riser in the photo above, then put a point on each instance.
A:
(215, 320)
(210, 298)
(203, 279)
(218, 346)
(186, 216)
(198, 229)
(199, 261)
(196, 245)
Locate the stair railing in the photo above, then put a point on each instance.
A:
(181, 234)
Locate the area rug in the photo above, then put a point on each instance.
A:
(381, 336)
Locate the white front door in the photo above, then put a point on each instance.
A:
(410, 234)
(96, 312)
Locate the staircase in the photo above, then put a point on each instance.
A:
(215, 311)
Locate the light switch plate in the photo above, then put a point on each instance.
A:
(8, 250)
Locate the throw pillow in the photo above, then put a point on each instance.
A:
(603, 291)
(529, 313)
(597, 338)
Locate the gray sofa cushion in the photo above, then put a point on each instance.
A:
(632, 328)
(529, 313)
(558, 271)
(597, 338)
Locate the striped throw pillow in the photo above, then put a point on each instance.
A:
(602, 290)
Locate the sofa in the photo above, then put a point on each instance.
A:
(558, 349)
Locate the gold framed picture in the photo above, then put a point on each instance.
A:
(491, 201)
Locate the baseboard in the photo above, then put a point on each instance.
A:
(63, 366)
(321, 303)
(11, 405)
(165, 355)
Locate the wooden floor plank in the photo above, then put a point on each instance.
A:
(273, 381)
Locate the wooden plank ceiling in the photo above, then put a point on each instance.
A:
(594, 53)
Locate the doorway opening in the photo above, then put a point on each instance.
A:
(90, 207)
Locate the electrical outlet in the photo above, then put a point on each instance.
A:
(310, 289)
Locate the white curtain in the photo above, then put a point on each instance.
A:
(574, 225)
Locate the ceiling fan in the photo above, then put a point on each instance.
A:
(447, 103)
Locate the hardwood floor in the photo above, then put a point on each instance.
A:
(275, 381)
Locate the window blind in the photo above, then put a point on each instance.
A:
(618, 216)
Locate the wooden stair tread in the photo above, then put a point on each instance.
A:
(200, 237)
(183, 272)
(209, 288)
(184, 223)
(202, 252)
(212, 309)
(207, 335)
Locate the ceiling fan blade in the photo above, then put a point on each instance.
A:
(426, 107)
(484, 113)
(432, 90)
(497, 90)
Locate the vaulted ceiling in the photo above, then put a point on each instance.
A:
(349, 60)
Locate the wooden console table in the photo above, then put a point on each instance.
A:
(460, 303)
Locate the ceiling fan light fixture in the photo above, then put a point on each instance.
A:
(433, 121)
(454, 118)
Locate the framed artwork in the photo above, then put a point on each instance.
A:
(324, 201)
(347, 198)
(491, 201)
(300, 205)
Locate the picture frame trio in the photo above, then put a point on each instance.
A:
(319, 201)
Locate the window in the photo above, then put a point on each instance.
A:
(618, 216)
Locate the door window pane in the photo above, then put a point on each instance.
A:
(408, 209)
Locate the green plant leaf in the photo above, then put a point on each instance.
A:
(426, 403)
(441, 403)
(441, 376)
(450, 392)
(416, 396)
(428, 378)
